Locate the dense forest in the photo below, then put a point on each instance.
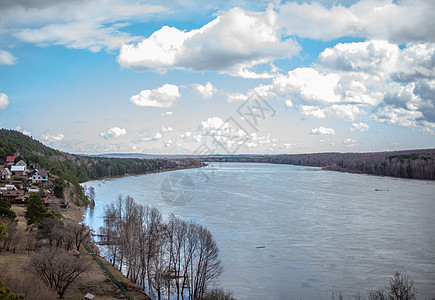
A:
(74, 168)
(418, 164)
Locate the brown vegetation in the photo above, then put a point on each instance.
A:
(94, 280)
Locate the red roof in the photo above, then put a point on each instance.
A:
(10, 159)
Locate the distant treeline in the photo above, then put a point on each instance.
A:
(76, 168)
(418, 164)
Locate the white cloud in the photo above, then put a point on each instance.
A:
(226, 134)
(114, 132)
(262, 91)
(289, 103)
(233, 43)
(398, 116)
(323, 130)
(400, 22)
(348, 143)
(363, 127)
(23, 131)
(168, 113)
(198, 138)
(186, 135)
(347, 112)
(167, 129)
(205, 91)
(376, 57)
(163, 96)
(158, 136)
(6, 58)
(312, 111)
(237, 97)
(308, 84)
(212, 123)
(4, 101)
(52, 138)
(92, 25)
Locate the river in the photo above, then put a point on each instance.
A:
(292, 232)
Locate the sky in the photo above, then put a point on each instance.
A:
(228, 77)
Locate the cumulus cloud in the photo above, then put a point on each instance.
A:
(399, 21)
(163, 96)
(376, 57)
(312, 111)
(308, 84)
(347, 112)
(52, 138)
(114, 132)
(6, 58)
(323, 130)
(4, 101)
(228, 135)
(362, 127)
(205, 91)
(398, 116)
(233, 43)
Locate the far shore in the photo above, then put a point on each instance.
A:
(146, 173)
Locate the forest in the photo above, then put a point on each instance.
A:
(416, 164)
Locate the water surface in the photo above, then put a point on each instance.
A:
(291, 232)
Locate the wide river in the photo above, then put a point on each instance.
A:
(291, 232)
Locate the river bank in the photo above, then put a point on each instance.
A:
(94, 280)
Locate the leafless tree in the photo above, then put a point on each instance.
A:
(13, 236)
(167, 258)
(56, 268)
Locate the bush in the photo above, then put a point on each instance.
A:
(400, 287)
(29, 285)
(5, 293)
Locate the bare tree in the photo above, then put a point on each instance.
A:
(13, 236)
(79, 233)
(56, 268)
(167, 258)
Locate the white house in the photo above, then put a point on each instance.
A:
(39, 176)
(18, 170)
(6, 174)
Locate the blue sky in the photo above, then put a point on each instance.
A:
(139, 77)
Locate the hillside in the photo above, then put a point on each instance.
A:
(74, 168)
(417, 164)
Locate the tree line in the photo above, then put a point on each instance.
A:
(169, 259)
(417, 164)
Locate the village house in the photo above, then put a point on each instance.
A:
(6, 174)
(10, 160)
(18, 170)
(21, 163)
(13, 196)
(39, 176)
